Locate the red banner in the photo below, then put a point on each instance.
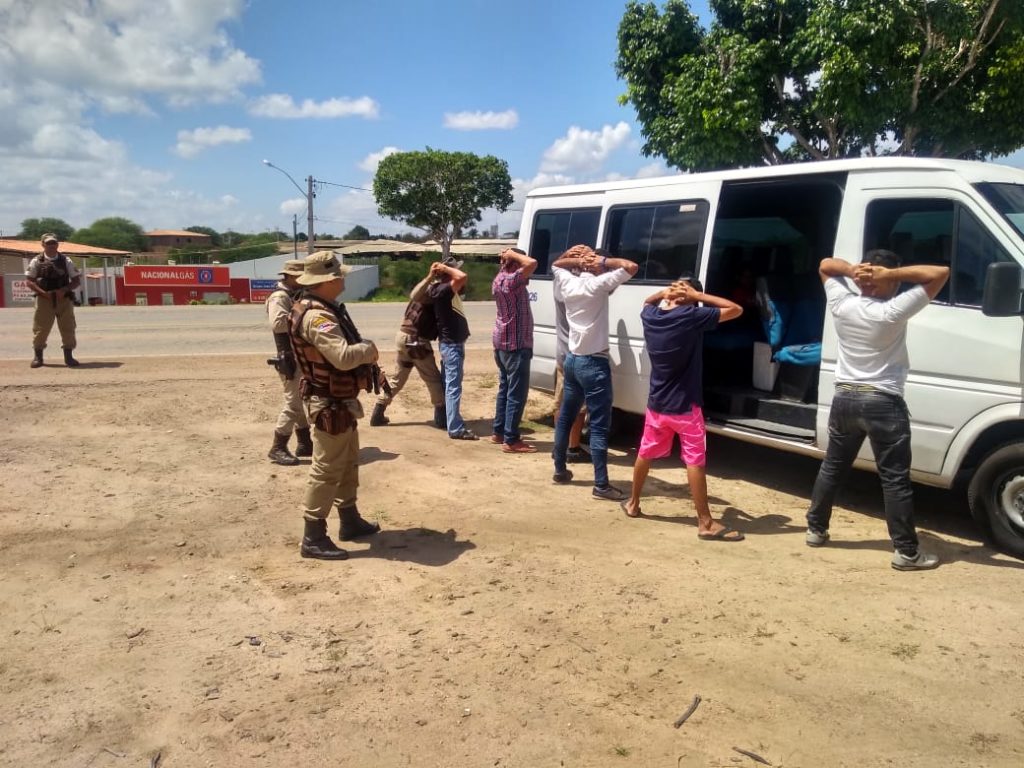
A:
(166, 275)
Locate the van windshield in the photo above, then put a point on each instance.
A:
(1008, 199)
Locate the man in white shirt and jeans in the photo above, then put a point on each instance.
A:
(584, 278)
(871, 370)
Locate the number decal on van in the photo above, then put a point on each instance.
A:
(533, 295)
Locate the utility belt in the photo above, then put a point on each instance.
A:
(335, 418)
(417, 348)
(341, 385)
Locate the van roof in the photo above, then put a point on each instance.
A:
(971, 170)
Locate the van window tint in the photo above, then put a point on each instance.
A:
(665, 240)
(936, 231)
(555, 231)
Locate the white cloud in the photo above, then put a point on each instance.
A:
(191, 143)
(372, 160)
(481, 121)
(283, 106)
(295, 205)
(584, 151)
(120, 51)
(652, 170)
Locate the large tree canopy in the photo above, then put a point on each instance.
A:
(441, 192)
(114, 232)
(774, 81)
(33, 229)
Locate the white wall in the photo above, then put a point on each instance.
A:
(363, 278)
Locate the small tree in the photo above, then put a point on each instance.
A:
(441, 192)
(33, 229)
(114, 232)
(358, 232)
(213, 233)
(774, 81)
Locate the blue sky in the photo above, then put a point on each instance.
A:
(162, 110)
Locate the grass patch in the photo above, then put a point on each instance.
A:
(906, 651)
(621, 751)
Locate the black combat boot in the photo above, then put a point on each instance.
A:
(37, 359)
(318, 545)
(279, 453)
(304, 443)
(353, 526)
(440, 417)
(378, 419)
(69, 361)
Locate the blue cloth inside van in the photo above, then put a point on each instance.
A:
(793, 312)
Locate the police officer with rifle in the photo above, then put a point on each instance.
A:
(53, 279)
(292, 416)
(335, 364)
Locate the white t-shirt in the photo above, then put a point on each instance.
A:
(586, 307)
(872, 334)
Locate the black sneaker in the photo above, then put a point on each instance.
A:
(609, 493)
(563, 477)
(577, 456)
(464, 434)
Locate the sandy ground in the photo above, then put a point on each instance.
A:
(153, 600)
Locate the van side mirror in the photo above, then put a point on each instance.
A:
(1003, 290)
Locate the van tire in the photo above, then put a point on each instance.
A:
(996, 497)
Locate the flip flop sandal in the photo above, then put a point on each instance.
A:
(625, 508)
(722, 535)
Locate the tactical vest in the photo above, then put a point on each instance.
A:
(420, 321)
(53, 275)
(319, 377)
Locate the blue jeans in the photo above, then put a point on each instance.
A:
(588, 378)
(452, 358)
(513, 383)
(884, 420)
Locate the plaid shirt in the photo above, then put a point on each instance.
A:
(513, 326)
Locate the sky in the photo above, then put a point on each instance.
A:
(162, 111)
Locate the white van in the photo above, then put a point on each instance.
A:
(757, 236)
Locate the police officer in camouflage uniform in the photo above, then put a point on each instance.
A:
(413, 350)
(53, 279)
(335, 364)
(292, 416)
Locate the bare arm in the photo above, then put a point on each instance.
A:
(931, 277)
(608, 264)
(458, 277)
(835, 268)
(729, 310)
(656, 298)
(525, 263)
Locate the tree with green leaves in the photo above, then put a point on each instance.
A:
(441, 192)
(358, 232)
(213, 233)
(777, 81)
(33, 229)
(114, 232)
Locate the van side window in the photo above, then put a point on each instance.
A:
(936, 231)
(665, 240)
(555, 231)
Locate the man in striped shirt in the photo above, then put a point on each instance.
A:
(513, 347)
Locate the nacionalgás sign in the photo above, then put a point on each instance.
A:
(195, 277)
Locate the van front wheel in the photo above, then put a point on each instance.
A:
(996, 495)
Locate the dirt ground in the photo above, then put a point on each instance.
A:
(153, 600)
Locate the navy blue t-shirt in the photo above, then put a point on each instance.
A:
(675, 342)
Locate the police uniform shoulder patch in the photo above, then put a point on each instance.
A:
(323, 324)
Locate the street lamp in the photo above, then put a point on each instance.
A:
(308, 194)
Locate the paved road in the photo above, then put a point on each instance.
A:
(201, 330)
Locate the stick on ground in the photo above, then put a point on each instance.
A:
(686, 715)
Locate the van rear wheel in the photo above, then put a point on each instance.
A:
(996, 496)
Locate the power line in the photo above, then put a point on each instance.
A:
(346, 186)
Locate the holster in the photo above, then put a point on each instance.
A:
(285, 357)
(335, 419)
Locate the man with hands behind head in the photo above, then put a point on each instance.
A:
(585, 278)
(453, 330)
(513, 347)
(871, 370)
(335, 363)
(675, 320)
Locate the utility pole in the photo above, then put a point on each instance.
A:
(295, 235)
(309, 213)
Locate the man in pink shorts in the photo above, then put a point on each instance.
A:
(675, 320)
